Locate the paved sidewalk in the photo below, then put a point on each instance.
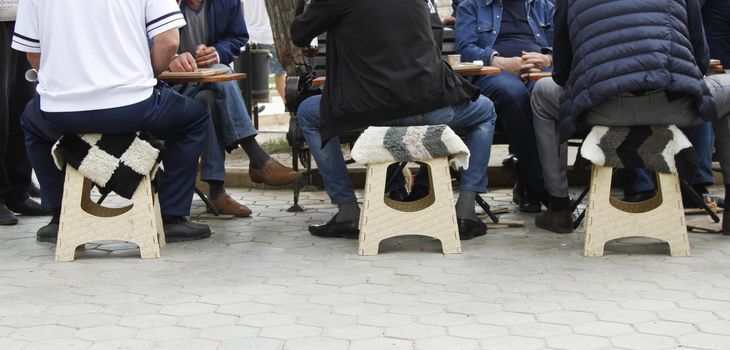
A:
(265, 283)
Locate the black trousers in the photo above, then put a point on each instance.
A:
(15, 93)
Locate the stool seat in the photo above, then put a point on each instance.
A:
(83, 221)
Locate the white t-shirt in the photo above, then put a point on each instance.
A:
(95, 54)
(257, 21)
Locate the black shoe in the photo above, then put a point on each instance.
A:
(49, 233)
(179, 229)
(639, 196)
(33, 190)
(401, 195)
(469, 229)
(558, 222)
(28, 207)
(526, 202)
(7, 217)
(345, 229)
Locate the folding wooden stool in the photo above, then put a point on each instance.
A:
(83, 221)
(661, 217)
(432, 216)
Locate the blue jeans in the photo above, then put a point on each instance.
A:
(179, 121)
(717, 29)
(474, 120)
(511, 98)
(702, 138)
(231, 123)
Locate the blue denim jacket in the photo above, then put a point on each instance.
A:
(478, 23)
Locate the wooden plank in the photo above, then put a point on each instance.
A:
(202, 75)
(201, 72)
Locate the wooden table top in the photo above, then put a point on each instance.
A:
(209, 79)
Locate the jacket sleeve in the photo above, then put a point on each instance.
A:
(562, 48)
(466, 34)
(235, 35)
(454, 6)
(550, 5)
(697, 36)
(319, 16)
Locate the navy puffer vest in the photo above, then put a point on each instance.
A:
(630, 45)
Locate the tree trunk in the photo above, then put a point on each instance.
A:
(281, 15)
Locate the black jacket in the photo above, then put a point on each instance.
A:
(605, 48)
(382, 62)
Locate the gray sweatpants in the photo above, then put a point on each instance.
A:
(622, 110)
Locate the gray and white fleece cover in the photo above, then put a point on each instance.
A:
(380, 144)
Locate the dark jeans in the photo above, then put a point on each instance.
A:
(179, 121)
(703, 141)
(511, 97)
(15, 92)
(715, 15)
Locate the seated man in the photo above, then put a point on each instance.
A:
(516, 36)
(15, 92)
(99, 77)
(613, 67)
(384, 66)
(199, 47)
(639, 183)
(717, 29)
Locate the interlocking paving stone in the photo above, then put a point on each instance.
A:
(264, 283)
(577, 342)
(643, 342)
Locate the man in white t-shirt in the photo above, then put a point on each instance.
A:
(97, 61)
(259, 31)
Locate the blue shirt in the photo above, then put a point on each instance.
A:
(515, 35)
(479, 22)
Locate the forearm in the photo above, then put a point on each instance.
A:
(163, 50)
(35, 60)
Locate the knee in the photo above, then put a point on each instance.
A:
(308, 112)
(486, 108)
(545, 95)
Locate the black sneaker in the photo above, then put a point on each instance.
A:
(49, 233)
(28, 207)
(179, 229)
(7, 218)
(639, 196)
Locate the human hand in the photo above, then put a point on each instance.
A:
(532, 60)
(448, 21)
(525, 75)
(206, 56)
(510, 64)
(183, 63)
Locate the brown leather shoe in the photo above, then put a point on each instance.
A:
(228, 206)
(273, 174)
(558, 222)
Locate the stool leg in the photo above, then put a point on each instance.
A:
(669, 185)
(369, 240)
(73, 193)
(149, 248)
(600, 190)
